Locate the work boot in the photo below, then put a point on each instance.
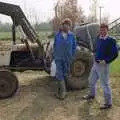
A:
(61, 90)
(105, 106)
(88, 97)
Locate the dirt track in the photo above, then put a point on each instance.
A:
(35, 101)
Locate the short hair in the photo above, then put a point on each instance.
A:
(103, 25)
(67, 21)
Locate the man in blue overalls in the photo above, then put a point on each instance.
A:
(64, 51)
(106, 52)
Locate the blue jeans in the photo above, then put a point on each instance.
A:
(100, 71)
(62, 69)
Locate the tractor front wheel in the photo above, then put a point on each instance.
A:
(8, 84)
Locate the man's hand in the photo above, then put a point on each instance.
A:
(102, 61)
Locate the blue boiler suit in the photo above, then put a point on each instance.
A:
(64, 51)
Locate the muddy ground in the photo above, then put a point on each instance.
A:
(35, 101)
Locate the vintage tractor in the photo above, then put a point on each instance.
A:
(32, 54)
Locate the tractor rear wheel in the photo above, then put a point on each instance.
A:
(80, 69)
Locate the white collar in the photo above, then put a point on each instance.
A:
(105, 37)
(66, 32)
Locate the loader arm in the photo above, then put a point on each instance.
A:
(19, 18)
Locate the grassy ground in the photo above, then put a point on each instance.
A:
(35, 101)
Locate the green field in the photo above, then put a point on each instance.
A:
(115, 67)
(8, 35)
(5, 35)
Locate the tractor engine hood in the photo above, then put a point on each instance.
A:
(86, 35)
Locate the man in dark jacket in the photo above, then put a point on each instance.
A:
(64, 50)
(106, 52)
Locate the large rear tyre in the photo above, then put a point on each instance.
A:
(8, 84)
(80, 69)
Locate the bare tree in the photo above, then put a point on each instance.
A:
(67, 9)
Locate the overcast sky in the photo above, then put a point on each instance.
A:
(43, 9)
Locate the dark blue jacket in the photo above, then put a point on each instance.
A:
(106, 49)
(64, 49)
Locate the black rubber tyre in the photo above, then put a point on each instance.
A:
(80, 69)
(8, 84)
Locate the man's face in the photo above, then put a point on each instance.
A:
(66, 27)
(103, 32)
